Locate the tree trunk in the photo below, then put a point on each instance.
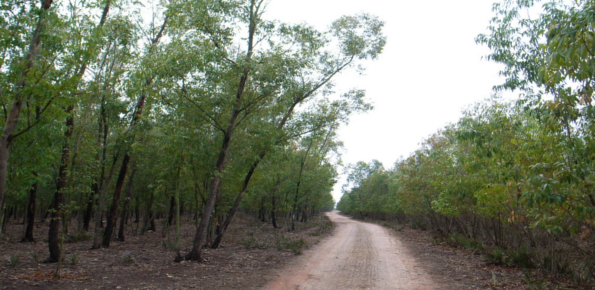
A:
(30, 215)
(149, 219)
(99, 212)
(200, 235)
(113, 211)
(125, 207)
(101, 135)
(305, 212)
(177, 204)
(236, 204)
(57, 212)
(274, 210)
(172, 208)
(137, 210)
(87, 214)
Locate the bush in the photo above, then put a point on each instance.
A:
(497, 256)
(522, 258)
(78, 237)
(459, 240)
(295, 246)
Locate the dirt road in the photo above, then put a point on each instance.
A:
(357, 256)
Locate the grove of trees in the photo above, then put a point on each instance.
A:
(513, 179)
(114, 110)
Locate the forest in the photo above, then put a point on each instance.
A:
(512, 179)
(116, 110)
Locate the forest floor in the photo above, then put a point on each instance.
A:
(250, 252)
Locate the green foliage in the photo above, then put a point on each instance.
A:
(14, 261)
(33, 255)
(73, 259)
(78, 236)
(522, 258)
(497, 256)
(248, 242)
(253, 243)
(459, 240)
(295, 246)
(128, 258)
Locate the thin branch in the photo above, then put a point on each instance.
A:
(208, 117)
(38, 118)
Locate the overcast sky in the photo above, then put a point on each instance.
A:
(430, 70)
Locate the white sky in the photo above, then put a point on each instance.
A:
(430, 70)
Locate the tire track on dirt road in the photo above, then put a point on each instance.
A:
(357, 256)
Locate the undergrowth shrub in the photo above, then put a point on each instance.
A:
(78, 236)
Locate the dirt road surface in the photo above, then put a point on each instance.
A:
(357, 256)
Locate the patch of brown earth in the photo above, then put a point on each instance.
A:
(251, 251)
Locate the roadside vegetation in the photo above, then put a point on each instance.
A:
(511, 179)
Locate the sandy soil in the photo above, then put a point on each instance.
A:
(358, 256)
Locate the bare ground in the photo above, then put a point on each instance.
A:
(358, 256)
(250, 251)
(457, 268)
(255, 255)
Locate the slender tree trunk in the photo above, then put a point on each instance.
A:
(172, 209)
(149, 219)
(99, 212)
(230, 214)
(297, 188)
(262, 212)
(274, 202)
(305, 212)
(177, 204)
(113, 211)
(94, 196)
(125, 207)
(31, 214)
(137, 210)
(195, 253)
(89, 211)
(57, 213)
